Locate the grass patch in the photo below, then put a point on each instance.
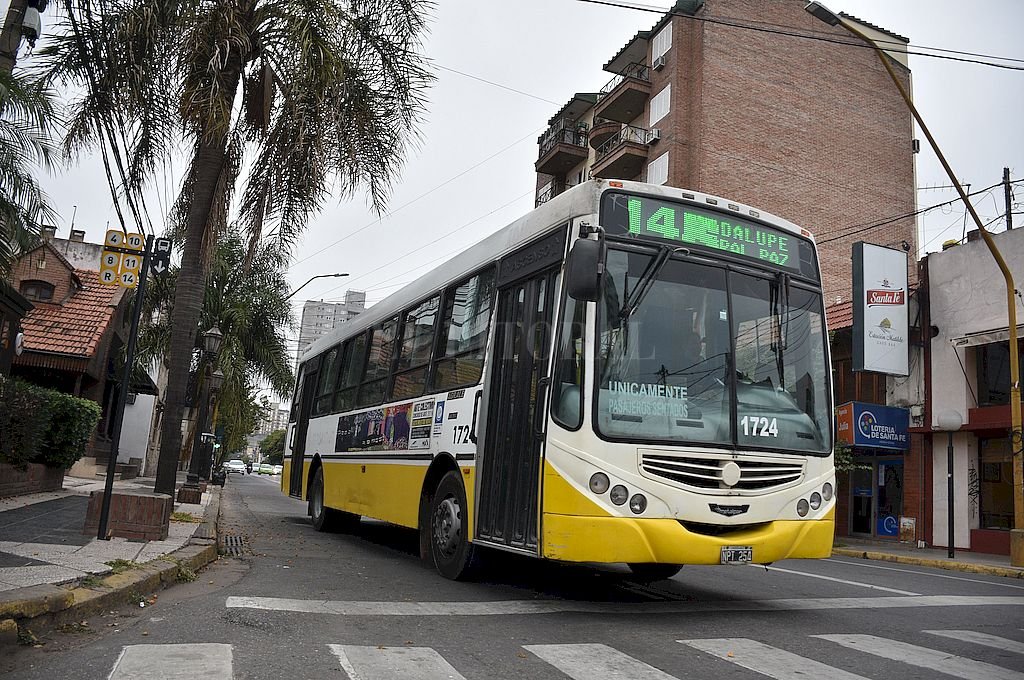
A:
(74, 628)
(121, 566)
(26, 637)
(91, 581)
(185, 517)
(186, 574)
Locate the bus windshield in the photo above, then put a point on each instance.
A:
(692, 352)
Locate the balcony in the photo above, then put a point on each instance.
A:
(625, 95)
(602, 131)
(562, 147)
(623, 155)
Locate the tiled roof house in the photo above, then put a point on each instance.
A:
(74, 331)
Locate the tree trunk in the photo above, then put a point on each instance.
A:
(188, 305)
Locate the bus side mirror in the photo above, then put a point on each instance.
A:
(583, 270)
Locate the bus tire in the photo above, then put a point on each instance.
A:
(649, 572)
(450, 550)
(324, 518)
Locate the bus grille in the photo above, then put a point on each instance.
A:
(705, 470)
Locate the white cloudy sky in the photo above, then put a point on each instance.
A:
(473, 171)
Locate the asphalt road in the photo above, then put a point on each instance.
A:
(299, 604)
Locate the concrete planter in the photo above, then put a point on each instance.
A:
(33, 479)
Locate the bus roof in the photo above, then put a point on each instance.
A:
(579, 201)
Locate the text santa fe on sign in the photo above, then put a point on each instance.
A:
(880, 314)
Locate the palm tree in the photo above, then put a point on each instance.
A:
(250, 307)
(26, 125)
(308, 96)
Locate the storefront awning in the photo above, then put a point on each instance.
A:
(986, 337)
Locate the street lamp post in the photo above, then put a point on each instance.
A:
(950, 421)
(211, 346)
(318, 276)
(1017, 533)
(216, 382)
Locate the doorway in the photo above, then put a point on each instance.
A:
(876, 497)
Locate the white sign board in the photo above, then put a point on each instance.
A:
(881, 340)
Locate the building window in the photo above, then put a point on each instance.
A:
(37, 291)
(995, 486)
(662, 42)
(994, 374)
(657, 170)
(660, 104)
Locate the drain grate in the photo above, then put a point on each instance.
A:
(234, 545)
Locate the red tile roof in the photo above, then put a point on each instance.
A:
(839, 315)
(76, 327)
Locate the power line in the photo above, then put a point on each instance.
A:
(491, 82)
(790, 32)
(423, 195)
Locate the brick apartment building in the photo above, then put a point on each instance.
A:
(807, 129)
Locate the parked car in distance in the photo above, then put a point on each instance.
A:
(266, 469)
(235, 466)
(278, 469)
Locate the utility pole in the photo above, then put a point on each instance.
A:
(1008, 198)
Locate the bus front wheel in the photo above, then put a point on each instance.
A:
(649, 573)
(324, 518)
(447, 527)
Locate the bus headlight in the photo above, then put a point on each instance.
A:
(638, 503)
(619, 494)
(802, 508)
(815, 500)
(826, 491)
(599, 482)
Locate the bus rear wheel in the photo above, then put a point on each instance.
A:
(446, 528)
(324, 518)
(649, 573)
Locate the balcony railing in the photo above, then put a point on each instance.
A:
(627, 135)
(563, 132)
(638, 71)
(551, 191)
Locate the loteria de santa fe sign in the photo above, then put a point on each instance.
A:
(880, 312)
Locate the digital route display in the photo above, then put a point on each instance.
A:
(680, 223)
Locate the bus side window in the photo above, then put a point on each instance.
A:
(567, 401)
(325, 388)
(463, 338)
(414, 351)
(378, 363)
(350, 370)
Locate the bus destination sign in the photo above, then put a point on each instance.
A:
(647, 217)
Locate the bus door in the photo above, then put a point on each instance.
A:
(305, 392)
(510, 466)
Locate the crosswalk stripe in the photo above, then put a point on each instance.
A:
(173, 662)
(387, 663)
(766, 660)
(977, 638)
(932, 659)
(589, 661)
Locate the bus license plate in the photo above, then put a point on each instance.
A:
(737, 554)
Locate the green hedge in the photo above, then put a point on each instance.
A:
(38, 425)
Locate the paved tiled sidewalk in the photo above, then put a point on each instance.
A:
(41, 539)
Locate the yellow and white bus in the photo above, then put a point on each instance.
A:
(630, 373)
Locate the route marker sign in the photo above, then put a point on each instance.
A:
(122, 258)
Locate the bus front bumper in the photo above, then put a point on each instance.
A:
(574, 538)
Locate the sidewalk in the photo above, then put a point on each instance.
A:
(937, 558)
(50, 571)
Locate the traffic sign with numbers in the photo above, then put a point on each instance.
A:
(134, 241)
(130, 263)
(114, 238)
(129, 280)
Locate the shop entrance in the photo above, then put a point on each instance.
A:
(876, 497)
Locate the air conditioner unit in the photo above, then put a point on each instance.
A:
(659, 63)
(654, 136)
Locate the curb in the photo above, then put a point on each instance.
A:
(969, 567)
(46, 605)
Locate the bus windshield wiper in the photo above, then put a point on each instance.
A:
(779, 294)
(647, 279)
